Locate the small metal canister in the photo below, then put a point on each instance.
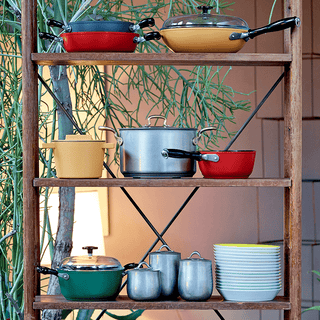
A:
(195, 280)
(143, 283)
(167, 262)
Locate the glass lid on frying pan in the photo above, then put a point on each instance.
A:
(90, 262)
(205, 20)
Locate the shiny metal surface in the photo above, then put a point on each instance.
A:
(140, 153)
(195, 280)
(167, 262)
(143, 283)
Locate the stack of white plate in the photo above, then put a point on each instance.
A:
(247, 272)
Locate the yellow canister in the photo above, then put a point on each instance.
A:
(78, 156)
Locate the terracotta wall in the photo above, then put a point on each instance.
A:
(242, 215)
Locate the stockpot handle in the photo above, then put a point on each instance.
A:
(195, 140)
(164, 246)
(197, 253)
(119, 139)
(45, 270)
(157, 117)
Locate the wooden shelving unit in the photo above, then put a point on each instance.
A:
(123, 302)
(291, 60)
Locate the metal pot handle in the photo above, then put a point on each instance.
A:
(157, 117)
(164, 246)
(119, 139)
(195, 140)
(143, 263)
(45, 270)
(195, 252)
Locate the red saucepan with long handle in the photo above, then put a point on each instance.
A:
(100, 41)
(233, 164)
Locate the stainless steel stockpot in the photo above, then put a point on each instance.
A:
(167, 262)
(140, 150)
(195, 280)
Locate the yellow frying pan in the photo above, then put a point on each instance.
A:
(208, 33)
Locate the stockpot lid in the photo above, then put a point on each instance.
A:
(90, 262)
(205, 20)
(163, 127)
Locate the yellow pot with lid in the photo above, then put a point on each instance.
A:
(79, 156)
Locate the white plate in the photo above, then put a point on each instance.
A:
(248, 267)
(244, 261)
(242, 257)
(248, 295)
(247, 278)
(245, 247)
(248, 272)
(246, 288)
(248, 282)
(246, 253)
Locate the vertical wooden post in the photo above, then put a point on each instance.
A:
(30, 158)
(293, 163)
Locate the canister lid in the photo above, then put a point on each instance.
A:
(90, 262)
(206, 20)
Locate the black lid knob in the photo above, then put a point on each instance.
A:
(205, 9)
(90, 249)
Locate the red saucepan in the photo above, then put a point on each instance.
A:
(100, 41)
(233, 164)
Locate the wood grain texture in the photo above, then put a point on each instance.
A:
(293, 164)
(183, 182)
(30, 160)
(190, 59)
(123, 302)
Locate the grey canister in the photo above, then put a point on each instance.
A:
(195, 280)
(167, 262)
(143, 284)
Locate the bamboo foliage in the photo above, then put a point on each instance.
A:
(196, 97)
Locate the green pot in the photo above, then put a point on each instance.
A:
(89, 277)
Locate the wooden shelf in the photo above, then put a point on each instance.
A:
(123, 302)
(119, 58)
(183, 182)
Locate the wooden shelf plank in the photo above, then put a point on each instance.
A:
(183, 182)
(121, 58)
(123, 302)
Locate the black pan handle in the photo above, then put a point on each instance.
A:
(45, 270)
(181, 154)
(275, 26)
(131, 265)
(54, 23)
(149, 22)
(155, 35)
(49, 36)
(272, 27)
